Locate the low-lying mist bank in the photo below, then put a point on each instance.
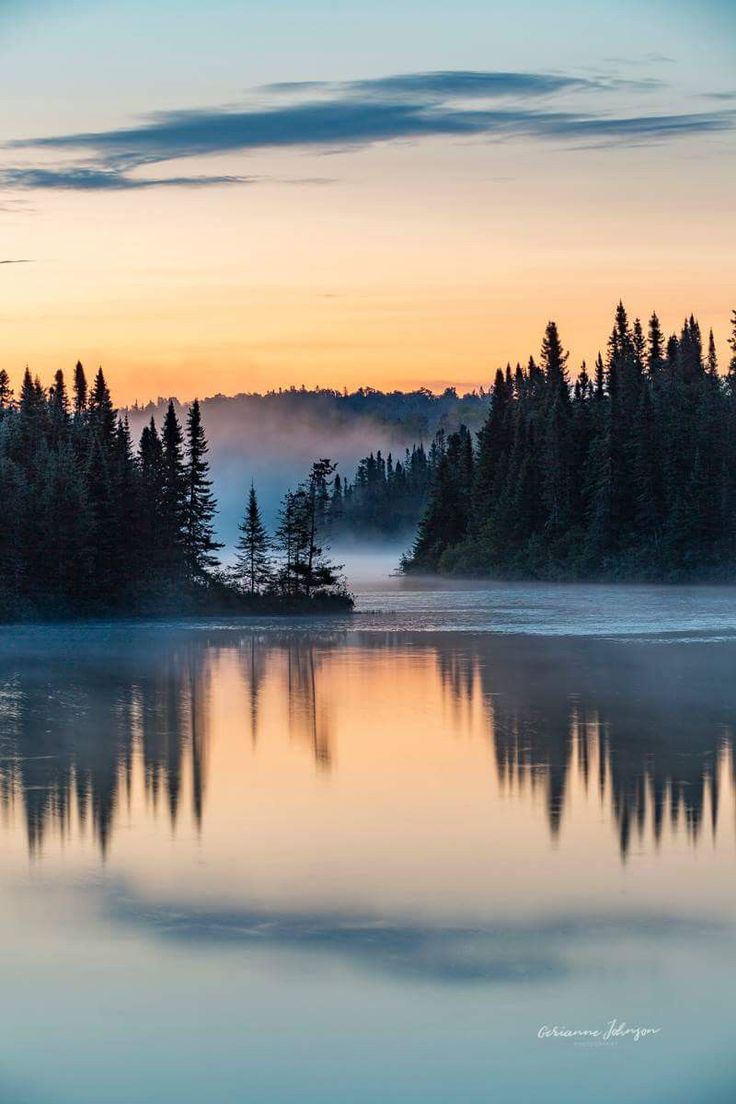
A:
(370, 564)
(272, 439)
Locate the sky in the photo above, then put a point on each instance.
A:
(236, 196)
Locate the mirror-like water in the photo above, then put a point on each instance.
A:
(371, 860)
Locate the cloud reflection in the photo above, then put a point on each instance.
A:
(513, 952)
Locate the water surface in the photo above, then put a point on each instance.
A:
(368, 859)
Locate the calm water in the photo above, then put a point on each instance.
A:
(367, 860)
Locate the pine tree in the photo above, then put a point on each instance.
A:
(554, 363)
(102, 414)
(600, 378)
(128, 562)
(556, 440)
(655, 355)
(494, 441)
(306, 570)
(6, 391)
(58, 395)
(253, 566)
(712, 359)
(173, 516)
(151, 499)
(80, 389)
(731, 377)
(289, 542)
(199, 534)
(314, 570)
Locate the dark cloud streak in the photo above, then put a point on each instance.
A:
(352, 123)
(444, 83)
(351, 115)
(103, 180)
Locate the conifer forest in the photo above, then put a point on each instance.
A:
(627, 472)
(92, 526)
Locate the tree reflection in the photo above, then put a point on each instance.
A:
(645, 726)
(652, 721)
(74, 726)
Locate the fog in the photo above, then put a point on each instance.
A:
(371, 564)
(274, 444)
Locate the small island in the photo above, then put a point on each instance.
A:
(91, 527)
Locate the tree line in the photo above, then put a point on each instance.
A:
(90, 525)
(403, 416)
(627, 473)
(386, 497)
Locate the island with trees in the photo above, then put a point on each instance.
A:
(91, 527)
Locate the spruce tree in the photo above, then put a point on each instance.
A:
(6, 391)
(253, 569)
(554, 363)
(200, 509)
(556, 428)
(289, 543)
(101, 413)
(315, 571)
(173, 505)
(493, 444)
(655, 350)
(151, 500)
(731, 377)
(80, 389)
(58, 395)
(712, 358)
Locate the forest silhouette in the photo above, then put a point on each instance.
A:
(629, 473)
(91, 527)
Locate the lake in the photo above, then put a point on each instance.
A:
(393, 857)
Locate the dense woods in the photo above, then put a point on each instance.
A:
(398, 417)
(386, 497)
(627, 473)
(91, 526)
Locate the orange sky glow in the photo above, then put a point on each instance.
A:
(397, 262)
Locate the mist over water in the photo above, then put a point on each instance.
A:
(274, 445)
(647, 612)
(371, 565)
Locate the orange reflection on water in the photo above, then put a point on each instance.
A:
(375, 771)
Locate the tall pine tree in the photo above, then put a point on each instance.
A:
(253, 570)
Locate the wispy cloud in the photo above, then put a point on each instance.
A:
(103, 180)
(17, 260)
(442, 84)
(352, 115)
